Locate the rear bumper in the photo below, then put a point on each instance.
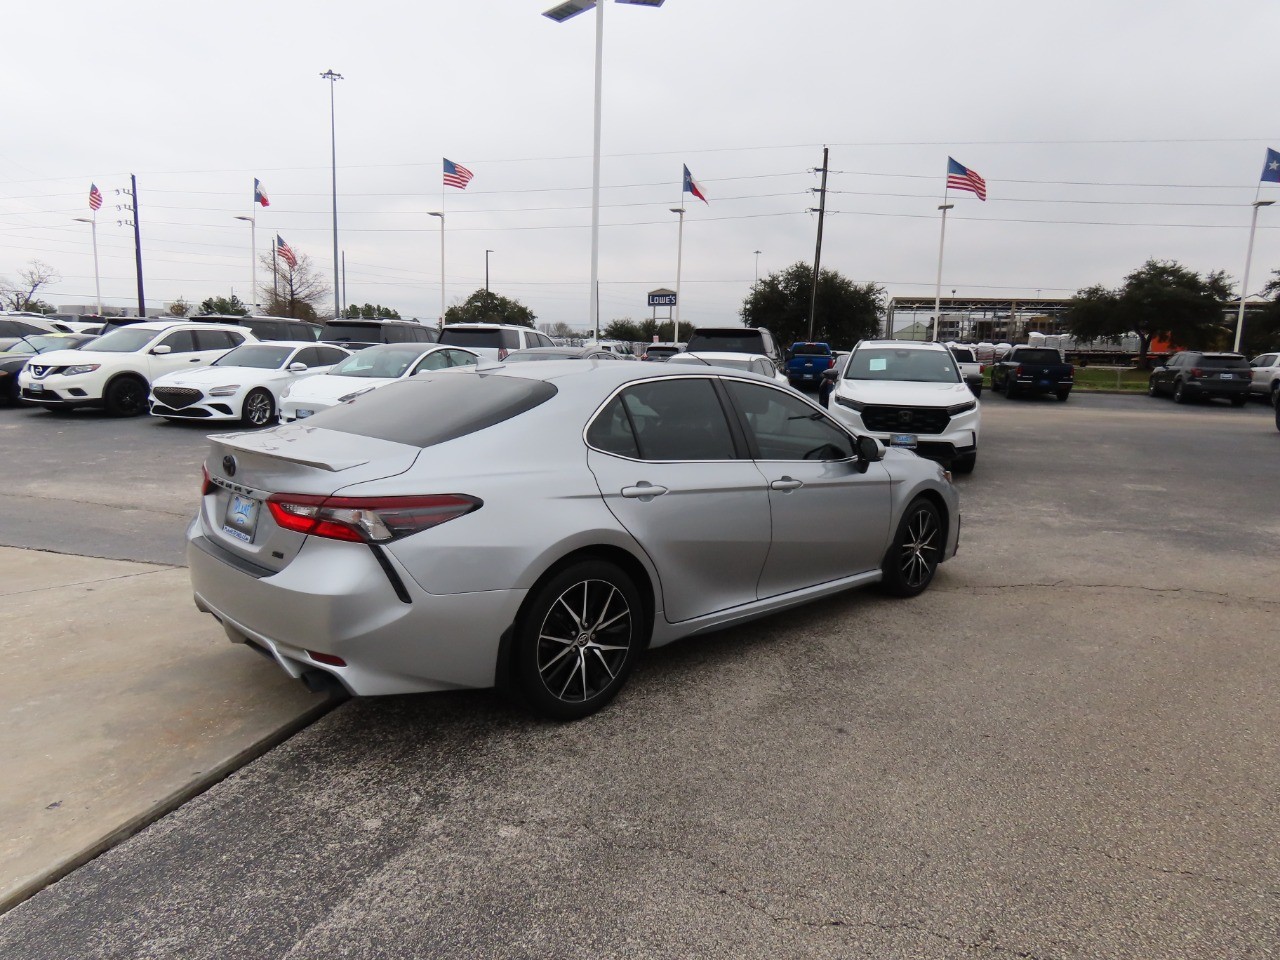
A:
(334, 598)
(1032, 385)
(1217, 388)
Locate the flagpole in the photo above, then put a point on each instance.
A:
(253, 253)
(675, 333)
(97, 279)
(937, 289)
(1248, 259)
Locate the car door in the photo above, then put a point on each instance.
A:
(1162, 376)
(665, 458)
(829, 512)
(182, 354)
(1262, 373)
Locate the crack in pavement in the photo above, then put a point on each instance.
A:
(1173, 871)
(970, 588)
(81, 583)
(95, 503)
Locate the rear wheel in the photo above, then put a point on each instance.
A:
(125, 397)
(1009, 390)
(259, 408)
(1063, 394)
(578, 638)
(1179, 392)
(1275, 391)
(915, 552)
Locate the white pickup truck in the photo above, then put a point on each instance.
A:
(968, 363)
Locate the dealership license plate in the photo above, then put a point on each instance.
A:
(907, 440)
(303, 414)
(242, 517)
(1226, 376)
(36, 388)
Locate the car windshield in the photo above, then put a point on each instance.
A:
(1037, 356)
(726, 341)
(897, 363)
(255, 355)
(124, 340)
(522, 355)
(387, 362)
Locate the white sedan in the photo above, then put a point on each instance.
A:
(245, 384)
(367, 370)
(753, 362)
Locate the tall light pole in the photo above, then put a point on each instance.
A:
(1244, 284)
(486, 270)
(253, 259)
(437, 213)
(560, 13)
(333, 79)
(97, 282)
(757, 280)
(675, 326)
(937, 289)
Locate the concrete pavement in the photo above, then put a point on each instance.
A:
(120, 701)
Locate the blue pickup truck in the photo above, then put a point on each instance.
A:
(805, 363)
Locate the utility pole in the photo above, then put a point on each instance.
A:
(817, 254)
(137, 244)
(344, 282)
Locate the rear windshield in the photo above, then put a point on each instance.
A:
(473, 337)
(1224, 363)
(543, 354)
(743, 364)
(365, 332)
(811, 350)
(1037, 356)
(662, 351)
(424, 411)
(726, 341)
(963, 354)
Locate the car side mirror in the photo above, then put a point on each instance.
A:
(870, 450)
(161, 350)
(831, 373)
(974, 380)
(298, 367)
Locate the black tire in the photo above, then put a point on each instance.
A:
(1151, 387)
(259, 408)
(1239, 401)
(125, 397)
(1179, 392)
(1010, 391)
(568, 665)
(13, 395)
(964, 463)
(1275, 392)
(1063, 394)
(913, 556)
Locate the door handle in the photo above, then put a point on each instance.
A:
(643, 491)
(194, 360)
(786, 483)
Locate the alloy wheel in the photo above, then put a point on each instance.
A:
(920, 548)
(584, 640)
(258, 408)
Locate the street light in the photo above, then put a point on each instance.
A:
(437, 213)
(560, 13)
(253, 258)
(757, 280)
(97, 283)
(1244, 284)
(937, 290)
(333, 79)
(675, 332)
(486, 270)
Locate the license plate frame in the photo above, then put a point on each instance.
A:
(1226, 376)
(908, 441)
(303, 414)
(241, 517)
(36, 388)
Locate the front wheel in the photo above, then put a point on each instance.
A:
(578, 638)
(259, 408)
(125, 397)
(1151, 387)
(916, 550)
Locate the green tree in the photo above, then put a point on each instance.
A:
(846, 311)
(371, 311)
(1160, 299)
(296, 291)
(485, 306)
(223, 306)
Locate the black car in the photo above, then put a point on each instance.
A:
(15, 358)
(284, 329)
(1193, 374)
(358, 334)
(735, 340)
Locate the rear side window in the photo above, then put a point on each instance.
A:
(678, 420)
(326, 356)
(611, 431)
(485, 339)
(727, 341)
(217, 339)
(425, 411)
(963, 355)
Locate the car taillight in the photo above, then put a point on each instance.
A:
(1071, 370)
(982, 368)
(502, 353)
(1018, 372)
(205, 483)
(366, 519)
(831, 362)
(1197, 372)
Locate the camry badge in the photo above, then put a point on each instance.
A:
(229, 465)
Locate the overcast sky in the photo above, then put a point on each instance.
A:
(1108, 133)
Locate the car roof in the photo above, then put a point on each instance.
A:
(723, 355)
(903, 344)
(597, 377)
(487, 326)
(158, 325)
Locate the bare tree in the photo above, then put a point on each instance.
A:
(20, 295)
(293, 291)
(179, 307)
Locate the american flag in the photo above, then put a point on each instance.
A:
(285, 252)
(960, 177)
(95, 197)
(456, 175)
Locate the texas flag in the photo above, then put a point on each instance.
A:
(260, 195)
(1271, 169)
(692, 186)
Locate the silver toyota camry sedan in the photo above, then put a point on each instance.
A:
(536, 526)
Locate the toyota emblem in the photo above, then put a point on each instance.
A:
(229, 465)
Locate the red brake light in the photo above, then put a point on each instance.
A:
(328, 658)
(831, 362)
(366, 519)
(502, 353)
(1018, 372)
(982, 368)
(1197, 372)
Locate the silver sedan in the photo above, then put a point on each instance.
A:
(536, 526)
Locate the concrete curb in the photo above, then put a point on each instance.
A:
(168, 804)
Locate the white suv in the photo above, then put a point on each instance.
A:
(910, 394)
(1265, 377)
(116, 370)
(493, 340)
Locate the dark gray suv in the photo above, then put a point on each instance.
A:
(1192, 374)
